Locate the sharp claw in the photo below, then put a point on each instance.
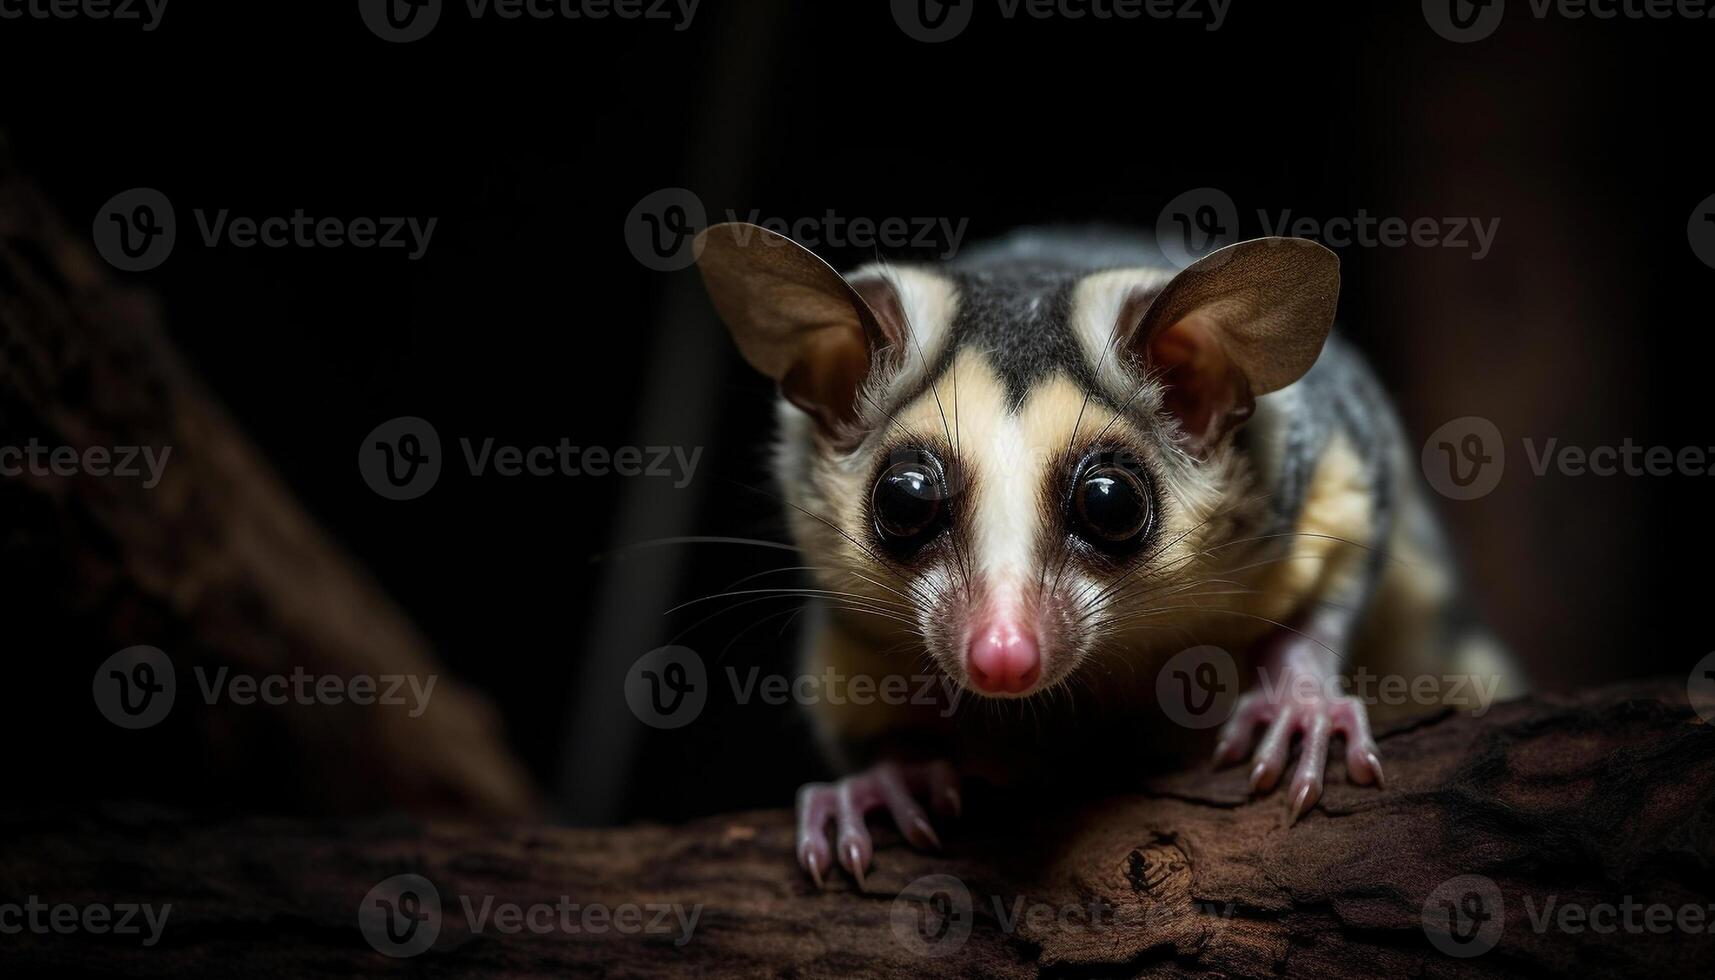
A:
(928, 832)
(1376, 764)
(813, 864)
(854, 857)
(955, 802)
(1257, 772)
(1298, 805)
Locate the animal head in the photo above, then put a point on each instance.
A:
(1007, 459)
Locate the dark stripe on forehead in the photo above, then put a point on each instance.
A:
(1019, 317)
(1015, 308)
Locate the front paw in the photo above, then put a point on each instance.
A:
(894, 786)
(1306, 708)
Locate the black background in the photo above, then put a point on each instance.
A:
(529, 319)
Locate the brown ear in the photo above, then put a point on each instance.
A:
(797, 320)
(1242, 321)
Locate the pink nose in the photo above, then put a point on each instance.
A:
(1003, 658)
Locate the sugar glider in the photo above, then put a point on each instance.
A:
(1047, 466)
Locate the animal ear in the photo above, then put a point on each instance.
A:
(1242, 321)
(798, 321)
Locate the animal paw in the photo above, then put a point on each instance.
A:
(1304, 708)
(900, 788)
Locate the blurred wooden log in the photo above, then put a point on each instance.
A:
(1582, 803)
(217, 565)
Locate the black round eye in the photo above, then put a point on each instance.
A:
(910, 501)
(1110, 504)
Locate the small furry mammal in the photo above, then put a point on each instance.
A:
(1051, 464)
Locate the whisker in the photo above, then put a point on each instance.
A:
(1235, 612)
(909, 586)
(690, 539)
(802, 592)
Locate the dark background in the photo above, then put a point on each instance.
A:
(529, 319)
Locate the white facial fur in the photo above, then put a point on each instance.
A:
(1008, 549)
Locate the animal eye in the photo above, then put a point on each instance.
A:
(1111, 504)
(909, 502)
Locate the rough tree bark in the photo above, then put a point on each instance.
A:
(1559, 803)
(217, 565)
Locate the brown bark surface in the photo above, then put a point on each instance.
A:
(1581, 803)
